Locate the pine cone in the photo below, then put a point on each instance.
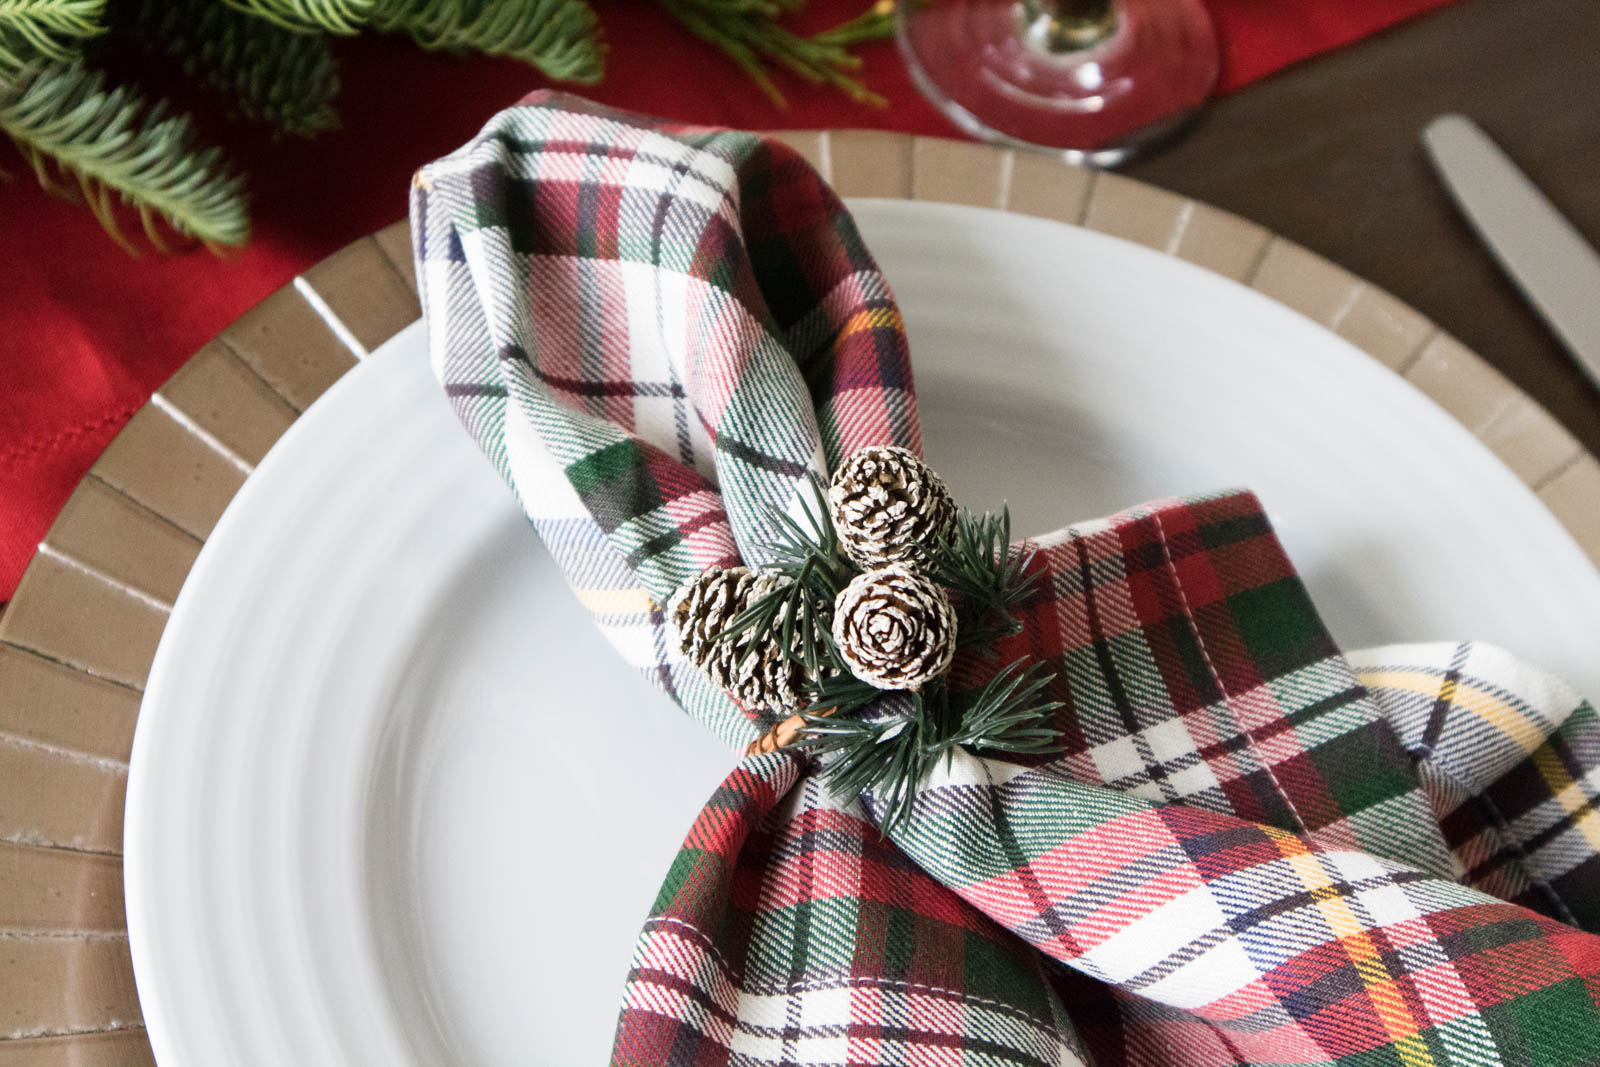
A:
(895, 628)
(767, 680)
(886, 502)
(702, 609)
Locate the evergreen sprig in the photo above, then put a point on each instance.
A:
(1009, 714)
(888, 754)
(263, 72)
(48, 29)
(557, 36)
(887, 741)
(747, 31)
(809, 559)
(270, 60)
(113, 145)
(892, 752)
(340, 17)
(876, 23)
(988, 575)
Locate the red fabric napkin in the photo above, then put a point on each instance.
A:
(90, 333)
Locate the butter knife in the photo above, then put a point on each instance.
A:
(1556, 269)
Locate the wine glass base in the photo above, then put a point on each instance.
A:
(985, 64)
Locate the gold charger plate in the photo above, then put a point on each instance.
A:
(78, 637)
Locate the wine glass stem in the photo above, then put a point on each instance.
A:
(1068, 25)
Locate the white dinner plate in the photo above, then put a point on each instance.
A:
(393, 801)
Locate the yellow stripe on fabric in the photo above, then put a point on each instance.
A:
(1530, 736)
(1356, 940)
(616, 601)
(1509, 721)
(1569, 794)
(872, 319)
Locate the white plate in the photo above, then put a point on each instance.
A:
(392, 799)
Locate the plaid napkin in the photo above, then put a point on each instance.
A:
(1244, 852)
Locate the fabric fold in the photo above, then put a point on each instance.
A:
(1510, 759)
(1240, 853)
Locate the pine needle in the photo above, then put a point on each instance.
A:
(876, 23)
(1008, 714)
(559, 37)
(342, 17)
(265, 72)
(112, 143)
(51, 29)
(989, 576)
(747, 32)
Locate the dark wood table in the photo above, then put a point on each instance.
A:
(1327, 154)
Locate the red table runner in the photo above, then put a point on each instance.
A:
(90, 333)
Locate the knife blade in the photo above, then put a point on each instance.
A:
(1556, 269)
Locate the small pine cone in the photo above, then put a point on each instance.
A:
(808, 610)
(703, 608)
(895, 628)
(886, 503)
(770, 682)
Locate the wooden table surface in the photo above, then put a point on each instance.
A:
(1327, 154)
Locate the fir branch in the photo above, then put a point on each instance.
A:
(979, 564)
(342, 17)
(840, 694)
(891, 753)
(876, 23)
(1008, 714)
(47, 29)
(265, 72)
(888, 754)
(813, 568)
(816, 542)
(796, 612)
(559, 37)
(112, 144)
(746, 31)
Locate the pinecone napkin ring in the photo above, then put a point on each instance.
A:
(850, 632)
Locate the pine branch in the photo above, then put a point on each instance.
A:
(48, 29)
(342, 17)
(876, 23)
(988, 575)
(888, 754)
(816, 542)
(112, 145)
(746, 31)
(559, 37)
(808, 558)
(1008, 714)
(265, 72)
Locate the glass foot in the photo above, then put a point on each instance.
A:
(1097, 88)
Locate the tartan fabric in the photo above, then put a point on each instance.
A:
(789, 931)
(627, 322)
(1510, 759)
(1240, 854)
